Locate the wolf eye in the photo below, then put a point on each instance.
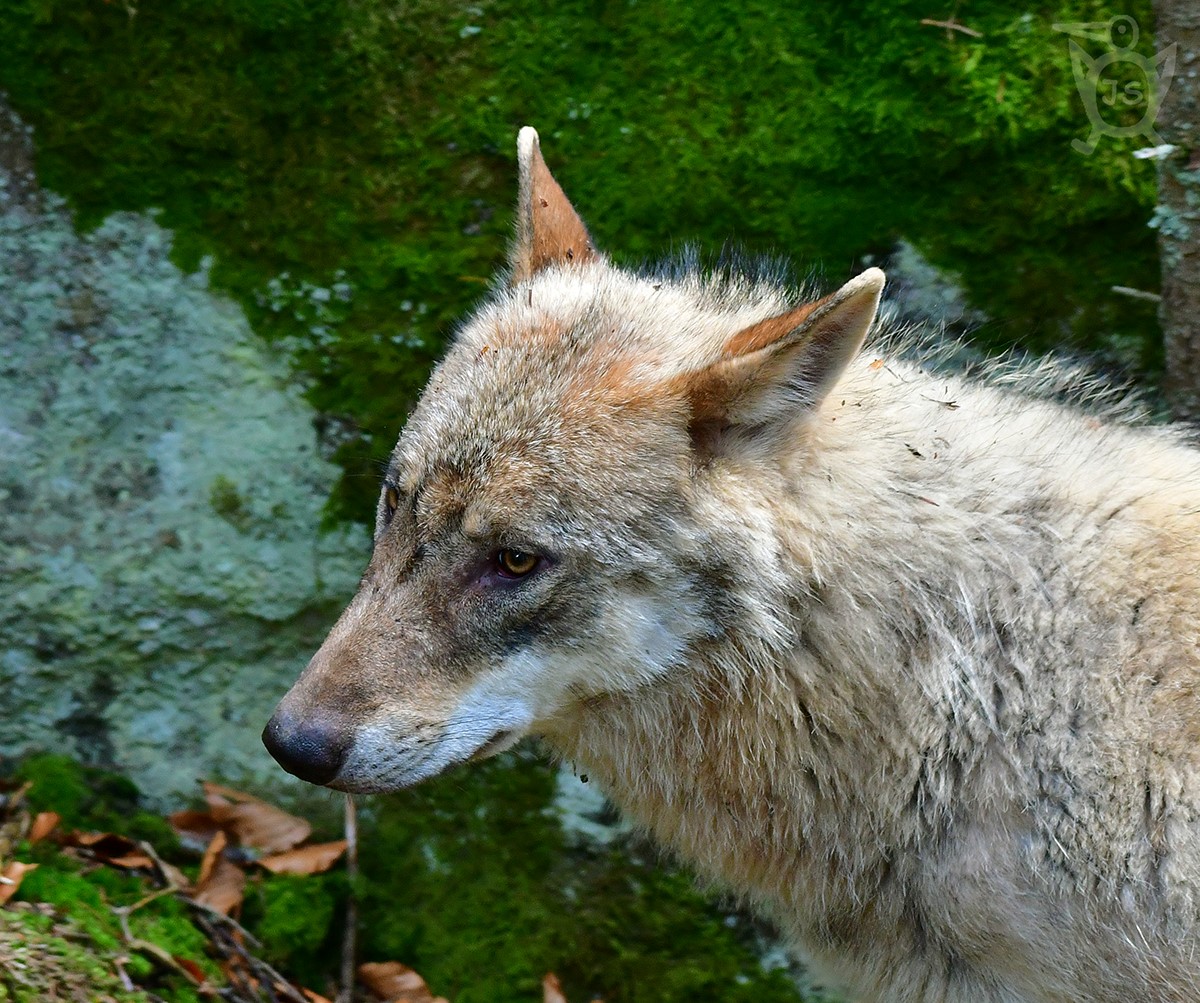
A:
(391, 499)
(516, 563)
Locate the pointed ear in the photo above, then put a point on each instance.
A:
(549, 231)
(781, 368)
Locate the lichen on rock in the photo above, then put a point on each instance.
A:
(162, 568)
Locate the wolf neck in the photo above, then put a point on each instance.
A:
(750, 760)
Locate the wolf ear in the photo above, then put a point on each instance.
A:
(549, 231)
(781, 368)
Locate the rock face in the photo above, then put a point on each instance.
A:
(163, 577)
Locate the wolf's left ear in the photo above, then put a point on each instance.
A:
(549, 231)
(781, 368)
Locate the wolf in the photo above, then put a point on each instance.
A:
(909, 660)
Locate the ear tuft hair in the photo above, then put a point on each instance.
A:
(780, 369)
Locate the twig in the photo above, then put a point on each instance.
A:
(241, 976)
(952, 25)
(1137, 294)
(126, 982)
(220, 917)
(165, 870)
(346, 994)
(156, 953)
(273, 980)
(125, 910)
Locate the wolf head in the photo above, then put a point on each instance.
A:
(557, 522)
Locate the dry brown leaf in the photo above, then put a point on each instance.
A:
(192, 970)
(226, 795)
(131, 861)
(216, 846)
(263, 827)
(552, 989)
(312, 997)
(255, 823)
(876, 364)
(13, 874)
(110, 848)
(224, 889)
(237, 972)
(394, 982)
(44, 823)
(314, 859)
(196, 825)
(221, 883)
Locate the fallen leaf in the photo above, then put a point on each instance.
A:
(191, 969)
(197, 826)
(225, 888)
(552, 989)
(225, 795)
(11, 877)
(110, 848)
(876, 364)
(396, 983)
(43, 824)
(216, 847)
(221, 884)
(312, 997)
(314, 859)
(237, 972)
(255, 823)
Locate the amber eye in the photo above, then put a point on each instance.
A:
(391, 499)
(515, 563)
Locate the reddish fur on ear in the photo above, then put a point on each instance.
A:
(783, 366)
(767, 332)
(549, 231)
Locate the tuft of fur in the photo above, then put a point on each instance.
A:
(908, 658)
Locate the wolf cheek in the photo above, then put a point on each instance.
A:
(456, 651)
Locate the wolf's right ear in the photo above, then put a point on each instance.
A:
(549, 231)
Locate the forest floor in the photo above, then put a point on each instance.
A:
(149, 914)
(473, 881)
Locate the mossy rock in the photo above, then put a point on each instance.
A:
(350, 166)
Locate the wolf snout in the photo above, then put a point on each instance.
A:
(313, 750)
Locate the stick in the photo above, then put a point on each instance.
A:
(220, 917)
(346, 994)
(952, 25)
(271, 980)
(1137, 294)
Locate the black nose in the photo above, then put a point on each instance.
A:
(311, 750)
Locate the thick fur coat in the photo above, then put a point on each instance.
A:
(909, 660)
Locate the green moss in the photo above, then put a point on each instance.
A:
(298, 920)
(58, 784)
(87, 899)
(94, 799)
(43, 959)
(349, 165)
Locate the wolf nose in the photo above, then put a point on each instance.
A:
(311, 750)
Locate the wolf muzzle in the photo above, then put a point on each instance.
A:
(311, 750)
